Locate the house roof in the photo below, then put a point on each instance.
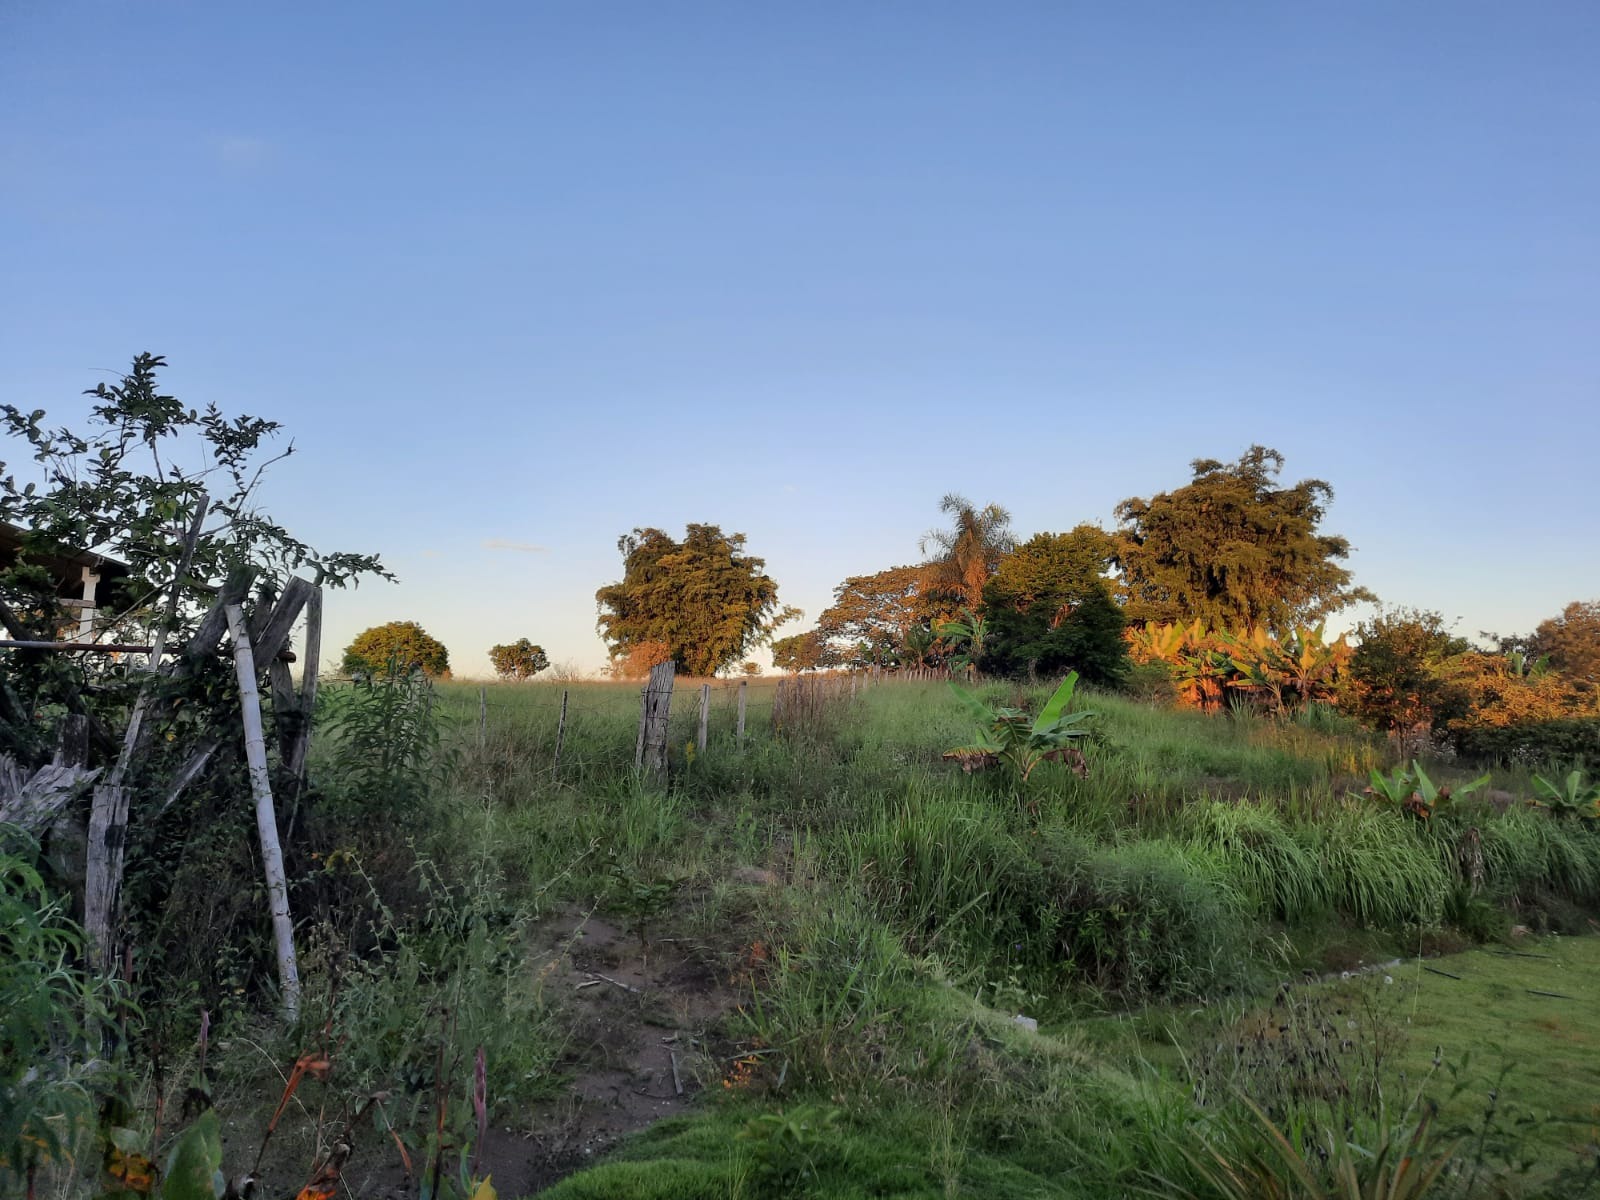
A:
(66, 564)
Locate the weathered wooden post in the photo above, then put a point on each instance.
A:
(561, 733)
(483, 716)
(777, 706)
(651, 752)
(296, 761)
(108, 813)
(705, 718)
(744, 691)
(255, 752)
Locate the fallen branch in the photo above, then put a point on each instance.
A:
(627, 987)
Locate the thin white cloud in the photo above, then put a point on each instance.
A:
(507, 544)
(243, 153)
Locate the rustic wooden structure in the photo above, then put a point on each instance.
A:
(84, 581)
(39, 798)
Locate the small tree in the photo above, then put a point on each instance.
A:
(1397, 680)
(519, 660)
(405, 643)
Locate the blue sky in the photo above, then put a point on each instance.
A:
(528, 275)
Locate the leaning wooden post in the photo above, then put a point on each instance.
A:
(651, 752)
(308, 688)
(108, 811)
(483, 716)
(705, 717)
(255, 752)
(561, 734)
(744, 691)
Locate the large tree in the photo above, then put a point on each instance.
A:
(966, 554)
(404, 643)
(872, 614)
(1234, 547)
(1049, 608)
(1572, 642)
(706, 599)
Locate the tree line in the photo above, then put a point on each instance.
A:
(1212, 593)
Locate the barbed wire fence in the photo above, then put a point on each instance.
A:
(582, 729)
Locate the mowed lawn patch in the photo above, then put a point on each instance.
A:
(1493, 1019)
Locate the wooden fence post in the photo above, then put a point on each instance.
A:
(744, 690)
(777, 706)
(705, 718)
(651, 751)
(483, 716)
(561, 733)
(255, 752)
(108, 813)
(308, 688)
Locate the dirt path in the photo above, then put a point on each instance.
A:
(643, 1044)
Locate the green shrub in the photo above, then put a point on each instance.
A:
(1536, 743)
(443, 981)
(1148, 920)
(52, 1018)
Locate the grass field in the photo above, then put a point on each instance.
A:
(795, 969)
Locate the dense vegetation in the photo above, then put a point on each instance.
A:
(1057, 930)
(871, 919)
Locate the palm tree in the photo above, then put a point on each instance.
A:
(967, 554)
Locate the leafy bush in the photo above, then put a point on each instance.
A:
(445, 980)
(387, 738)
(1534, 743)
(54, 1014)
(1412, 792)
(1151, 683)
(1570, 796)
(1147, 920)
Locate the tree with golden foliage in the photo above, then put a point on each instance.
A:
(1572, 643)
(1236, 548)
(706, 599)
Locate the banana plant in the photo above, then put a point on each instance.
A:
(1156, 641)
(1413, 793)
(1573, 796)
(1520, 666)
(966, 637)
(1258, 663)
(916, 646)
(1011, 739)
